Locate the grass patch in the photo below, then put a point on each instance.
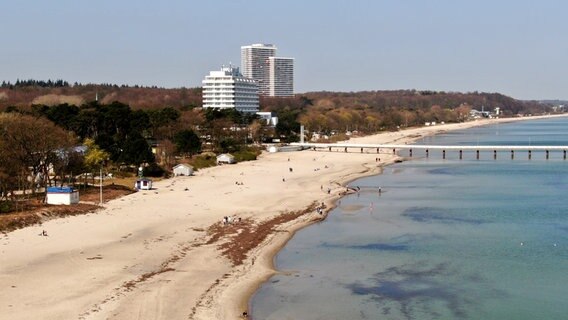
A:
(203, 161)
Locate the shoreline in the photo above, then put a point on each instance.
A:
(162, 254)
(268, 251)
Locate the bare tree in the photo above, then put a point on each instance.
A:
(34, 144)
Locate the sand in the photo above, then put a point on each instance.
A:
(149, 255)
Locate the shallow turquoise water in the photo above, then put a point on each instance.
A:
(446, 239)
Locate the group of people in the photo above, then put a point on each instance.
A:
(231, 219)
(239, 183)
(319, 209)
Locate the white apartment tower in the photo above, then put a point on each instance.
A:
(254, 62)
(229, 89)
(281, 76)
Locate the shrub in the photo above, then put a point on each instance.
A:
(6, 206)
(246, 155)
(203, 161)
(154, 170)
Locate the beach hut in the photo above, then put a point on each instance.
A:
(183, 169)
(62, 195)
(143, 184)
(225, 158)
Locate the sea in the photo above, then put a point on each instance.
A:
(443, 239)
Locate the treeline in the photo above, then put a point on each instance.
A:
(366, 111)
(35, 83)
(414, 100)
(372, 111)
(61, 83)
(23, 97)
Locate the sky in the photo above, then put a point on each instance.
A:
(515, 47)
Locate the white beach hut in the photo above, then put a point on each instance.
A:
(225, 158)
(62, 195)
(143, 184)
(183, 169)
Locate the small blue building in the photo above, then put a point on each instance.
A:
(62, 195)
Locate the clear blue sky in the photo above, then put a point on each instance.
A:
(516, 47)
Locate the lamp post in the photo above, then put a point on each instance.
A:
(101, 185)
(101, 182)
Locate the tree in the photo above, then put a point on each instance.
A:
(136, 151)
(95, 157)
(63, 115)
(287, 124)
(68, 163)
(187, 142)
(162, 122)
(34, 143)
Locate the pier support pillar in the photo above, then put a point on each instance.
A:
(477, 154)
(512, 154)
(494, 154)
(443, 154)
(546, 154)
(428, 153)
(564, 154)
(410, 152)
(461, 154)
(361, 150)
(378, 150)
(393, 151)
(329, 149)
(345, 149)
(529, 154)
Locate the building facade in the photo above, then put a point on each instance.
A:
(254, 63)
(281, 77)
(228, 88)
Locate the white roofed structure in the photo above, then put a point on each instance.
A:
(228, 88)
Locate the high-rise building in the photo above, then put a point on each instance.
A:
(229, 89)
(254, 63)
(281, 76)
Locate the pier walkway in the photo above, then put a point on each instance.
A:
(394, 148)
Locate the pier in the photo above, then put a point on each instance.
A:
(397, 148)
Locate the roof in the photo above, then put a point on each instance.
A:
(225, 155)
(183, 165)
(60, 190)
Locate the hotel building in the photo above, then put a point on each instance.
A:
(228, 88)
(254, 63)
(281, 77)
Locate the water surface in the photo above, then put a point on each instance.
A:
(445, 239)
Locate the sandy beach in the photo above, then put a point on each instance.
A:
(166, 253)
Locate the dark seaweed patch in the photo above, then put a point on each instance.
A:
(371, 246)
(413, 286)
(427, 214)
